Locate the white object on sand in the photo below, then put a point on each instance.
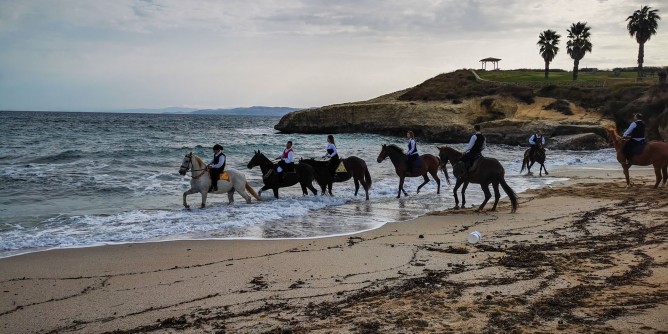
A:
(474, 237)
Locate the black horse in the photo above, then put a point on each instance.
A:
(489, 170)
(355, 168)
(529, 159)
(304, 174)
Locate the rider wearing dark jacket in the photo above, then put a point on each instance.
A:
(216, 166)
(474, 148)
(636, 133)
(536, 141)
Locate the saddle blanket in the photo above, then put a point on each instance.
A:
(224, 176)
(341, 168)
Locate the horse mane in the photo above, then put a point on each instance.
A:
(396, 148)
(449, 149)
(199, 160)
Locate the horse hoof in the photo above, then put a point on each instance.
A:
(187, 206)
(546, 173)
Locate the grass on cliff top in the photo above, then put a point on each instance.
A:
(609, 77)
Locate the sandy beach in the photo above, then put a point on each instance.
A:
(585, 255)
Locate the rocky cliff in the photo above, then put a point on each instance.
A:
(508, 115)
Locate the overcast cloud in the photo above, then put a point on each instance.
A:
(91, 55)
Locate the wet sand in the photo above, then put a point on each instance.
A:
(586, 255)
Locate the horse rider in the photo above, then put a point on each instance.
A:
(332, 154)
(286, 159)
(216, 166)
(536, 141)
(412, 151)
(474, 149)
(636, 135)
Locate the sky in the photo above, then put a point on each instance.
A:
(87, 55)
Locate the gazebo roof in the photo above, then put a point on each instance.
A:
(490, 59)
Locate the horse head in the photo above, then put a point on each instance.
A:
(186, 164)
(383, 154)
(445, 154)
(255, 160)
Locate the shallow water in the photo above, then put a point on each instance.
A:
(83, 179)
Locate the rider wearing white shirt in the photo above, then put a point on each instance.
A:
(216, 166)
(474, 149)
(286, 158)
(537, 141)
(332, 154)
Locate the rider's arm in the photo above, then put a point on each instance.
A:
(220, 163)
(531, 140)
(470, 145)
(630, 129)
(543, 140)
(289, 158)
(411, 148)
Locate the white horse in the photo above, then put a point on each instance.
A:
(201, 181)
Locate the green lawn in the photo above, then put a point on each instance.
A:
(535, 76)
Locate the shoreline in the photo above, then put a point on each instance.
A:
(447, 192)
(580, 255)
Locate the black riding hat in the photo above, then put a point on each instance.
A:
(217, 147)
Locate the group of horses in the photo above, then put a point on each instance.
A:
(487, 171)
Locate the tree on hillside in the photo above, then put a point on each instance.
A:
(578, 44)
(548, 41)
(642, 25)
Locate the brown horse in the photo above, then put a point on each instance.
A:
(655, 153)
(429, 164)
(489, 170)
(355, 169)
(529, 159)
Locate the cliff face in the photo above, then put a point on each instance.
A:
(504, 120)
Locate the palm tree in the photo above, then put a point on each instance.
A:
(642, 25)
(578, 44)
(548, 41)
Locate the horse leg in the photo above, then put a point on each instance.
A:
(529, 168)
(401, 187)
(243, 194)
(454, 192)
(204, 193)
(230, 196)
(543, 165)
(665, 176)
(466, 184)
(497, 195)
(329, 189)
(186, 193)
(259, 193)
(426, 180)
(626, 175)
(275, 192)
(357, 184)
(657, 172)
(488, 195)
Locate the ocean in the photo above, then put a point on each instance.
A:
(71, 179)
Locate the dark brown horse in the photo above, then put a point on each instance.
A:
(529, 159)
(655, 153)
(489, 170)
(303, 174)
(429, 164)
(355, 169)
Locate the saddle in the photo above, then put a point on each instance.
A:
(475, 164)
(341, 168)
(224, 176)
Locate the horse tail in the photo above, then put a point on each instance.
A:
(525, 161)
(367, 178)
(511, 194)
(252, 192)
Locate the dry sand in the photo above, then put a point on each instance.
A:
(584, 256)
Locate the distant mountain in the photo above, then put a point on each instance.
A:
(169, 110)
(249, 111)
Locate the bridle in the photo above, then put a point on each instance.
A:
(190, 164)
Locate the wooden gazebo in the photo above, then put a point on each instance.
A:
(494, 61)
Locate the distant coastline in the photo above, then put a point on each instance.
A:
(243, 111)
